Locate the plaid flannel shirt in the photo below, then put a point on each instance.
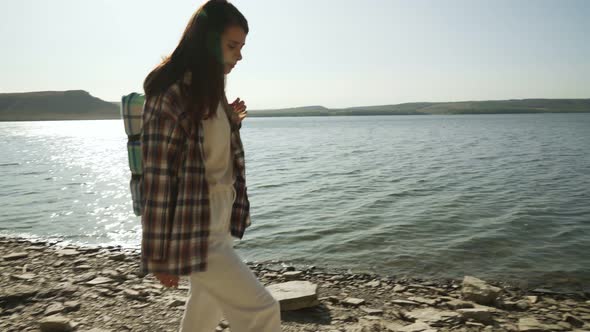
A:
(176, 216)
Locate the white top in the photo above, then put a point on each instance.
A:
(217, 149)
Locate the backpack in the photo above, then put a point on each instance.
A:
(131, 112)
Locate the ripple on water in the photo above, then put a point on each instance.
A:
(493, 196)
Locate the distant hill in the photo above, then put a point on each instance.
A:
(464, 107)
(80, 105)
(55, 105)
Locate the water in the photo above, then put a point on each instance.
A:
(501, 197)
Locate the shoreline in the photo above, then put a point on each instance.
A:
(89, 286)
(567, 289)
(253, 114)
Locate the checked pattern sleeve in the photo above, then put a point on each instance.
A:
(162, 140)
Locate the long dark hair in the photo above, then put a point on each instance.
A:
(199, 53)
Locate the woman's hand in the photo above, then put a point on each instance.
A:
(167, 280)
(239, 108)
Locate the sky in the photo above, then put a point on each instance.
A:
(334, 53)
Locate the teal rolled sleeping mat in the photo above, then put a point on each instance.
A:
(131, 113)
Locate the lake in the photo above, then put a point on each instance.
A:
(500, 197)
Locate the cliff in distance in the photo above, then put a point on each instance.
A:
(80, 105)
(55, 105)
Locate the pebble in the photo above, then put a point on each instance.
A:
(15, 256)
(353, 301)
(108, 291)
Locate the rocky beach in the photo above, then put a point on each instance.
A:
(50, 287)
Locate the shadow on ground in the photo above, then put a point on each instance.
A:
(318, 315)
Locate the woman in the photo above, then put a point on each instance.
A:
(194, 185)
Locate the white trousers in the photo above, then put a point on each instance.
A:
(228, 287)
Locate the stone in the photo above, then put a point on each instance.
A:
(67, 252)
(392, 326)
(400, 288)
(557, 327)
(55, 324)
(371, 311)
(346, 318)
(89, 250)
(140, 306)
(544, 291)
(418, 286)
(416, 327)
(72, 305)
(530, 324)
(371, 318)
(575, 321)
(292, 275)
(552, 316)
(404, 302)
(82, 267)
(475, 324)
(434, 316)
(520, 305)
(107, 292)
(423, 300)
(459, 304)
(118, 257)
(358, 328)
(35, 248)
(133, 294)
(177, 301)
(523, 305)
(67, 289)
(374, 283)
(479, 291)
(84, 277)
(479, 315)
(333, 299)
(446, 298)
(351, 301)
(24, 276)
(533, 299)
(114, 275)
(15, 256)
(99, 281)
(53, 309)
(294, 295)
(80, 261)
(17, 293)
(59, 263)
